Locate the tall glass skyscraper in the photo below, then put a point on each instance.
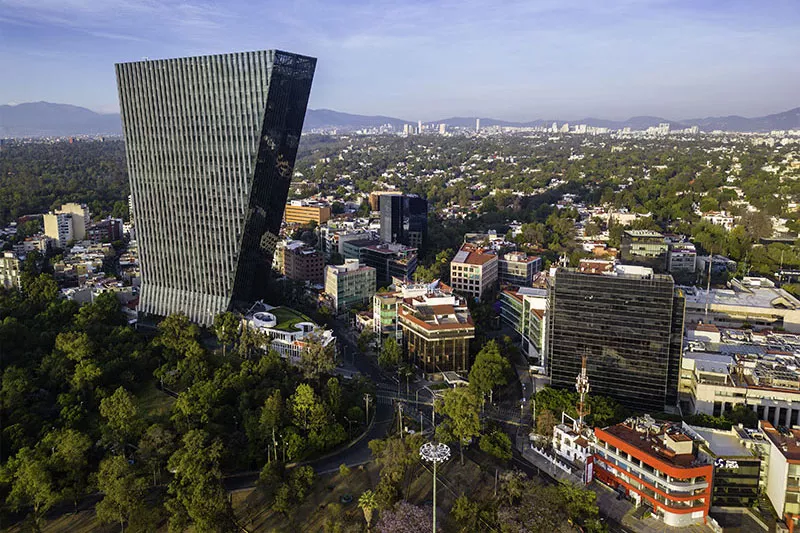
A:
(628, 323)
(211, 143)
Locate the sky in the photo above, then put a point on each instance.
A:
(432, 59)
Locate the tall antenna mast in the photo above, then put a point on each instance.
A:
(582, 386)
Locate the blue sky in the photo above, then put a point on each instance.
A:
(430, 59)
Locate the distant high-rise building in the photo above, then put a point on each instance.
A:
(629, 324)
(554, 128)
(565, 127)
(407, 129)
(419, 127)
(211, 143)
(477, 125)
(404, 219)
(442, 128)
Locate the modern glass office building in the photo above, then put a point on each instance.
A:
(211, 143)
(404, 219)
(628, 323)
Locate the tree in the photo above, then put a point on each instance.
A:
(333, 392)
(390, 353)
(489, 370)
(545, 423)
(122, 418)
(316, 359)
(271, 417)
(461, 406)
(226, 329)
(123, 492)
(365, 340)
(757, 224)
(155, 447)
(405, 518)
(31, 484)
(69, 451)
(367, 504)
(197, 496)
(302, 403)
(497, 444)
(581, 503)
(40, 290)
(528, 506)
(465, 513)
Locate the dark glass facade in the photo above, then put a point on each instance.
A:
(630, 327)
(404, 219)
(211, 143)
(644, 248)
(736, 482)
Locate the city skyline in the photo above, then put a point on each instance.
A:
(430, 60)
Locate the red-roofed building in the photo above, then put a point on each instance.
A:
(474, 271)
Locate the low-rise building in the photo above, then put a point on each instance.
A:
(436, 328)
(350, 284)
(306, 211)
(518, 269)
(682, 258)
(657, 465)
(289, 331)
(644, 248)
(783, 474)
(300, 262)
(754, 301)
(389, 261)
(108, 230)
(719, 218)
(473, 271)
(10, 270)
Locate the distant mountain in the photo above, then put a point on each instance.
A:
(43, 119)
(788, 120)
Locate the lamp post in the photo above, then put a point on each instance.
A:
(435, 453)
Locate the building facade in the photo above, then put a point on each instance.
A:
(656, 464)
(349, 284)
(682, 258)
(10, 270)
(629, 323)
(644, 248)
(211, 143)
(437, 329)
(305, 212)
(524, 310)
(518, 269)
(301, 262)
(289, 331)
(474, 271)
(67, 224)
(404, 219)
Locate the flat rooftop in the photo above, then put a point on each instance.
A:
(652, 445)
(760, 297)
(722, 443)
(786, 440)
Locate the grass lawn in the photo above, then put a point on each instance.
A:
(287, 318)
(154, 405)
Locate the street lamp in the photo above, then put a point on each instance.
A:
(434, 453)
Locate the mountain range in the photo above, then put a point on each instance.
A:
(44, 119)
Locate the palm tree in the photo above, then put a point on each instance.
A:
(367, 503)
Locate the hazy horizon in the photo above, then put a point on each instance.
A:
(516, 60)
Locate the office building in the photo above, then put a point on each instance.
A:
(404, 219)
(477, 125)
(436, 330)
(211, 143)
(628, 322)
(306, 212)
(682, 258)
(386, 304)
(349, 285)
(389, 261)
(739, 458)
(375, 198)
(10, 270)
(644, 248)
(524, 310)
(656, 465)
(473, 271)
(518, 269)
(442, 129)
